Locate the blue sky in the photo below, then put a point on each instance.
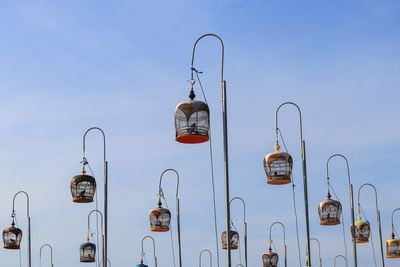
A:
(124, 65)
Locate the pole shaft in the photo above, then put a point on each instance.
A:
(353, 228)
(178, 220)
(29, 243)
(303, 148)
(380, 236)
(226, 169)
(245, 244)
(105, 243)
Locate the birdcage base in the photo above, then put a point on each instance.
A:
(160, 229)
(82, 199)
(361, 241)
(278, 180)
(11, 247)
(329, 223)
(191, 139)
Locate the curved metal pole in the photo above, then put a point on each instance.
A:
(105, 187)
(398, 209)
(378, 216)
(109, 262)
(103, 238)
(319, 250)
(178, 221)
(353, 228)
(209, 253)
(245, 226)
(154, 248)
(284, 238)
(51, 253)
(340, 256)
(304, 167)
(225, 136)
(29, 224)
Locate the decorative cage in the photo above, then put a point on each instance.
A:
(141, 264)
(362, 231)
(234, 240)
(278, 166)
(12, 237)
(83, 188)
(393, 248)
(88, 252)
(270, 259)
(160, 219)
(192, 121)
(329, 211)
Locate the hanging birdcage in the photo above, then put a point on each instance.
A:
(330, 211)
(88, 252)
(278, 166)
(192, 121)
(83, 188)
(393, 247)
(362, 231)
(270, 259)
(12, 237)
(234, 240)
(160, 219)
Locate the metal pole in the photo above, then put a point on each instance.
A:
(319, 250)
(154, 248)
(378, 217)
(108, 261)
(225, 137)
(209, 252)
(353, 227)
(105, 243)
(304, 167)
(340, 256)
(103, 238)
(245, 227)
(284, 237)
(29, 225)
(51, 253)
(178, 221)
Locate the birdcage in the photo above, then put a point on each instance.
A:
(393, 247)
(160, 219)
(362, 231)
(192, 121)
(270, 259)
(83, 188)
(278, 166)
(88, 252)
(234, 240)
(330, 211)
(12, 237)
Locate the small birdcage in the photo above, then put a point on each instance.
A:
(192, 121)
(362, 231)
(12, 237)
(393, 247)
(88, 252)
(83, 188)
(270, 259)
(160, 219)
(234, 240)
(329, 211)
(278, 166)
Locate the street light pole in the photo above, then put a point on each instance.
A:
(225, 136)
(51, 253)
(353, 228)
(304, 167)
(178, 221)
(105, 187)
(284, 237)
(378, 216)
(245, 227)
(29, 224)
